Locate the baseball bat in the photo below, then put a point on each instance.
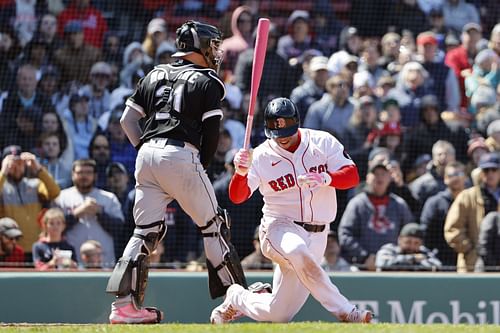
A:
(259, 55)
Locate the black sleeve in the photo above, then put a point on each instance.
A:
(486, 242)
(414, 144)
(109, 222)
(36, 250)
(405, 193)
(209, 139)
(138, 97)
(71, 220)
(427, 216)
(243, 73)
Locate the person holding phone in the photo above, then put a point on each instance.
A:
(52, 250)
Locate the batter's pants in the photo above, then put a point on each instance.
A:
(298, 254)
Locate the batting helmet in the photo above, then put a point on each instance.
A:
(281, 118)
(205, 39)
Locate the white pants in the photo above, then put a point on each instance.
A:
(298, 274)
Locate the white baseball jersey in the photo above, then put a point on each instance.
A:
(275, 170)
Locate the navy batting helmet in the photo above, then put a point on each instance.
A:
(202, 38)
(281, 118)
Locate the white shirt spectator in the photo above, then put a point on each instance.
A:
(90, 227)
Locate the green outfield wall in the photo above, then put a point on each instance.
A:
(79, 297)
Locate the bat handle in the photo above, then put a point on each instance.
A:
(248, 132)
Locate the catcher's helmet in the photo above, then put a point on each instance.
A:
(205, 39)
(281, 118)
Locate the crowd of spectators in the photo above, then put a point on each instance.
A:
(410, 87)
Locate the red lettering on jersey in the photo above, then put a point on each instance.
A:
(281, 183)
(290, 181)
(274, 185)
(319, 169)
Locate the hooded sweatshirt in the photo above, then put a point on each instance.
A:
(130, 67)
(237, 43)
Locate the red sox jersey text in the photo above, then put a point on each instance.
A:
(287, 181)
(274, 172)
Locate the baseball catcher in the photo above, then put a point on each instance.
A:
(180, 104)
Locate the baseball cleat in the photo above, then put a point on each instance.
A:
(357, 316)
(225, 312)
(124, 311)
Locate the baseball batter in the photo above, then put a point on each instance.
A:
(297, 172)
(180, 104)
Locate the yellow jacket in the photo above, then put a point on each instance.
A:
(461, 228)
(24, 201)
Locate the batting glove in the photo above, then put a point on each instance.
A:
(242, 161)
(312, 180)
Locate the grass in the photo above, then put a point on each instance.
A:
(302, 327)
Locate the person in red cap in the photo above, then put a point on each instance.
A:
(460, 58)
(93, 22)
(446, 86)
(476, 148)
(390, 137)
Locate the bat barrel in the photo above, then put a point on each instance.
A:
(257, 67)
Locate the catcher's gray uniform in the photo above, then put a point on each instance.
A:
(168, 163)
(180, 104)
(164, 172)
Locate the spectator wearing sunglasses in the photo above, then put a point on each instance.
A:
(463, 221)
(11, 254)
(333, 111)
(435, 210)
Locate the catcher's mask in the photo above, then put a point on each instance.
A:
(202, 38)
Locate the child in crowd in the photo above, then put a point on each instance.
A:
(52, 251)
(91, 253)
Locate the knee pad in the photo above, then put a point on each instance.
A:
(151, 235)
(223, 262)
(130, 275)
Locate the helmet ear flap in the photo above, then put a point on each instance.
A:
(180, 40)
(180, 45)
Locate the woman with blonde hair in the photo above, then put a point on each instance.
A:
(52, 251)
(155, 35)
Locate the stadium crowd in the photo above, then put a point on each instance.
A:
(410, 87)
